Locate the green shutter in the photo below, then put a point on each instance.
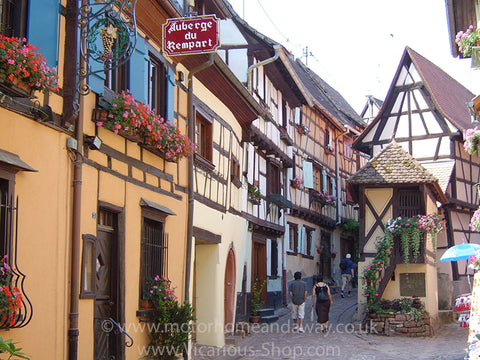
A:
(312, 245)
(308, 174)
(170, 95)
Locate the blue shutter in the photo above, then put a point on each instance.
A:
(308, 174)
(169, 116)
(269, 257)
(334, 187)
(304, 237)
(42, 28)
(139, 71)
(324, 182)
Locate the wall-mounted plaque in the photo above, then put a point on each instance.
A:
(412, 284)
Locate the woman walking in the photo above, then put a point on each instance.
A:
(324, 299)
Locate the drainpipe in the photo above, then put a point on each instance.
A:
(261, 63)
(73, 331)
(191, 134)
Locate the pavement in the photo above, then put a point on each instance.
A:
(343, 341)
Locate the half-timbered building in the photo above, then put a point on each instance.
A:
(425, 112)
(323, 160)
(98, 211)
(263, 65)
(393, 184)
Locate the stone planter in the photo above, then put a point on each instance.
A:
(396, 324)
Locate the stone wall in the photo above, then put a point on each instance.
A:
(395, 324)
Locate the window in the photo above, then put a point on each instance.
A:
(293, 238)
(5, 217)
(154, 246)
(274, 178)
(157, 86)
(235, 172)
(117, 79)
(308, 240)
(203, 137)
(347, 148)
(329, 139)
(13, 17)
(409, 202)
(317, 178)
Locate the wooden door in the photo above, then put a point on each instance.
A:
(106, 335)
(259, 265)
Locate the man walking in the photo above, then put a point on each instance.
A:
(298, 294)
(347, 268)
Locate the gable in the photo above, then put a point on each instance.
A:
(414, 111)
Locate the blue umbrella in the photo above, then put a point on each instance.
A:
(460, 252)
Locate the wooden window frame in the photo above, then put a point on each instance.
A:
(88, 266)
(156, 217)
(13, 18)
(203, 137)
(293, 230)
(157, 85)
(117, 79)
(274, 175)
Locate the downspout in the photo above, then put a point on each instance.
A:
(261, 63)
(191, 135)
(73, 331)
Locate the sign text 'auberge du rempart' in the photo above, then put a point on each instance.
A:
(192, 35)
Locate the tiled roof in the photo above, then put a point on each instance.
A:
(449, 95)
(326, 96)
(442, 170)
(392, 165)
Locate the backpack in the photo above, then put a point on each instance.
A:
(322, 293)
(343, 264)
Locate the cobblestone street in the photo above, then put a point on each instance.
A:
(278, 341)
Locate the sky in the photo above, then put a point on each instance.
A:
(356, 45)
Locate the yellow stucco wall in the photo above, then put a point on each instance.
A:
(43, 230)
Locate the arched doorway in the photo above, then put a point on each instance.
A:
(229, 295)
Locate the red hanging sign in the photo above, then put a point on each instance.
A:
(192, 35)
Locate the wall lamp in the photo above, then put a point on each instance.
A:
(93, 142)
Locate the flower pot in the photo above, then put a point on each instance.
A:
(334, 256)
(146, 305)
(255, 319)
(319, 251)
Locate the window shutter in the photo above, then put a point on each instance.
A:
(334, 186)
(170, 95)
(312, 245)
(308, 174)
(324, 181)
(269, 257)
(42, 28)
(139, 70)
(303, 239)
(250, 162)
(286, 238)
(297, 115)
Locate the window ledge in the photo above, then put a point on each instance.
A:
(292, 253)
(203, 163)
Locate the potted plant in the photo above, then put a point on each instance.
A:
(256, 302)
(334, 254)
(172, 324)
(329, 149)
(303, 129)
(23, 67)
(254, 194)
(10, 296)
(470, 140)
(9, 347)
(320, 248)
(296, 182)
(412, 229)
(322, 198)
(127, 116)
(467, 40)
(475, 221)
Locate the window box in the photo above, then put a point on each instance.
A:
(280, 200)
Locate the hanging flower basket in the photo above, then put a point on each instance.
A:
(296, 182)
(128, 116)
(254, 195)
(303, 129)
(471, 137)
(467, 40)
(23, 69)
